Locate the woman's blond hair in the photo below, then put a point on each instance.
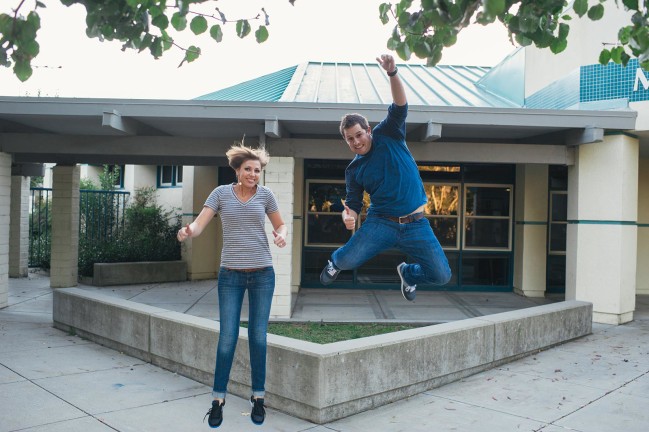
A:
(239, 153)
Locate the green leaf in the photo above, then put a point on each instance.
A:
(558, 45)
(616, 54)
(403, 51)
(580, 7)
(243, 28)
(523, 40)
(146, 42)
(631, 4)
(198, 25)
(494, 7)
(564, 29)
(23, 70)
(384, 8)
(216, 33)
(5, 24)
(192, 53)
(179, 21)
(596, 12)
(261, 34)
(624, 34)
(604, 57)
(40, 4)
(422, 49)
(31, 48)
(160, 21)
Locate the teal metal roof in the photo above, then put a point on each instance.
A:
(266, 88)
(367, 83)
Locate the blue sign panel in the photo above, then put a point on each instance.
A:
(613, 81)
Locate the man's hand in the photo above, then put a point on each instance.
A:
(349, 218)
(387, 62)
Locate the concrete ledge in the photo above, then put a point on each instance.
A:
(322, 383)
(105, 274)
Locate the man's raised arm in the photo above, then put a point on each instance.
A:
(396, 86)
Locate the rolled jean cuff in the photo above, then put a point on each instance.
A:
(258, 394)
(218, 395)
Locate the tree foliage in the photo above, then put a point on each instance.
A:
(426, 27)
(423, 28)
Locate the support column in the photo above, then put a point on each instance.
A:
(65, 226)
(279, 177)
(19, 227)
(5, 204)
(203, 253)
(642, 275)
(601, 249)
(530, 248)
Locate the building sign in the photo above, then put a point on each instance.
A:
(614, 81)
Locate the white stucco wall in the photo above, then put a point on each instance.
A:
(642, 278)
(585, 42)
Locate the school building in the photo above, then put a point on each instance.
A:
(537, 170)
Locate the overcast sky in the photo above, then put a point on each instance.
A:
(72, 65)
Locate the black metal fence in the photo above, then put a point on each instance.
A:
(101, 218)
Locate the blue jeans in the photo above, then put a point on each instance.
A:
(416, 239)
(232, 286)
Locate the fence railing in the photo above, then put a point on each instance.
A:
(101, 218)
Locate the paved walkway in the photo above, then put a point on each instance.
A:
(51, 381)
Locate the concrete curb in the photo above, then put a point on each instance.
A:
(322, 383)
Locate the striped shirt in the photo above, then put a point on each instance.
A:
(245, 244)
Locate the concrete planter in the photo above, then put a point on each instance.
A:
(105, 274)
(322, 383)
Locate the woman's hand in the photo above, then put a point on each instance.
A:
(280, 240)
(184, 233)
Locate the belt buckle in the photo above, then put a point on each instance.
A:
(406, 218)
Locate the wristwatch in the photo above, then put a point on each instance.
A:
(394, 72)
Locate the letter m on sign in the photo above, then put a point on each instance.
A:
(640, 77)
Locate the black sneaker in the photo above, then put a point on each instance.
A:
(258, 412)
(215, 414)
(408, 291)
(329, 273)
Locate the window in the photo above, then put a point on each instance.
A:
(170, 175)
(558, 222)
(442, 212)
(119, 178)
(488, 217)
(324, 226)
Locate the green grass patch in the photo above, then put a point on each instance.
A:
(324, 333)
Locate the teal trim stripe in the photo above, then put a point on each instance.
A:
(190, 214)
(643, 225)
(531, 223)
(601, 222)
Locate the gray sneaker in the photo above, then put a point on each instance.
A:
(408, 291)
(329, 273)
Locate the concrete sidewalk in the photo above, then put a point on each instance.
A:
(52, 381)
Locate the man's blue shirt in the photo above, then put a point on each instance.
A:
(388, 172)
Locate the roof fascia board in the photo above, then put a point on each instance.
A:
(319, 112)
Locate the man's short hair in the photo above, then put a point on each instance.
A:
(350, 120)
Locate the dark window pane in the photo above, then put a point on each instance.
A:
(557, 271)
(559, 207)
(487, 233)
(442, 199)
(226, 176)
(489, 173)
(179, 174)
(558, 237)
(487, 201)
(381, 269)
(558, 176)
(445, 230)
(166, 174)
(326, 197)
(333, 169)
(326, 229)
(485, 270)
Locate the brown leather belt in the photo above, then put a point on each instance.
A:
(405, 219)
(248, 270)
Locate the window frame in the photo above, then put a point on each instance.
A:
(509, 217)
(458, 216)
(308, 213)
(176, 172)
